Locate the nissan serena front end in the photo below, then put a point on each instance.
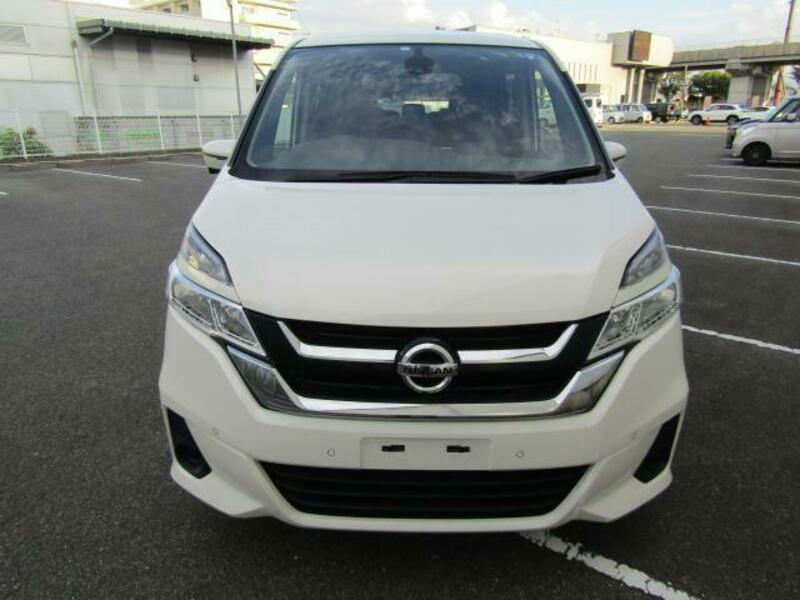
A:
(420, 297)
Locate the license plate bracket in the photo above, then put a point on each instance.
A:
(434, 454)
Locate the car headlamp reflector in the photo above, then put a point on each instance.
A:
(198, 261)
(213, 314)
(636, 319)
(588, 385)
(262, 381)
(646, 261)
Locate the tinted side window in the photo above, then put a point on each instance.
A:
(786, 110)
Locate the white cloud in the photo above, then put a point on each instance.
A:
(343, 14)
(739, 20)
(417, 11)
(684, 21)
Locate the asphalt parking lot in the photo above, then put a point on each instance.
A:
(88, 509)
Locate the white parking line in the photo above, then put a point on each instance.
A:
(716, 214)
(756, 169)
(735, 193)
(794, 181)
(176, 164)
(3, 193)
(633, 578)
(743, 340)
(789, 263)
(96, 174)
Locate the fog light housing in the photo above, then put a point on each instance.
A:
(185, 448)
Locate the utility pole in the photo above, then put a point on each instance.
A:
(780, 85)
(236, 61)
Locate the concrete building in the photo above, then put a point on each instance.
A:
(613, 68)
(79, 57)
(63, 62)
(268, 18)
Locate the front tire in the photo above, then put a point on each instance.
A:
(696, 120)
(732, 119)
(640, 120)
(611, 121)
(756, 155)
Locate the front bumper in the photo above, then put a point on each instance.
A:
(234, 434)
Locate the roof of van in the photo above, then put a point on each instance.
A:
(410, 36)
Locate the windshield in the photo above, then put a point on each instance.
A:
(346, 112)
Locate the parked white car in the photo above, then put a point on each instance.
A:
(637, 113)
(415, 315)
(718, 113)
(613, 115)
(778, 137)
(756, 112)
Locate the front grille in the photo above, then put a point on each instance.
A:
(423, 494)
(379, 382)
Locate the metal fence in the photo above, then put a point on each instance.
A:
(38, 134)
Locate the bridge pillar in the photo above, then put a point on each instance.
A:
(639, 85)
(762, 84)
(749, 85)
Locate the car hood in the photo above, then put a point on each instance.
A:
(424, 254)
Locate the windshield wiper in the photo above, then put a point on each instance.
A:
(438, 176)
(562, 175)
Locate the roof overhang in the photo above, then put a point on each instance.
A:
(99, 26)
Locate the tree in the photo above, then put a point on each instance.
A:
(711, 83)
(794, 71)
(671, 85)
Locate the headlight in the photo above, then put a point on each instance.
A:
(636, 319)
(200, 263)
(201, 289)
(646, 261)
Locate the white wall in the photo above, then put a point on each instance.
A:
(123, 74)
(586, 62)
(589, 62)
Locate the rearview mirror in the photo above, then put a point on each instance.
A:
(216, 154)
(616, 151)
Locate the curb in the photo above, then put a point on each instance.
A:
(104, 160)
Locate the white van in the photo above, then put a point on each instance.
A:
(407, 303)
(637, 113)
(594, 104)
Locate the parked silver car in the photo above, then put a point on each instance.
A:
(612, 114)
(637, 113)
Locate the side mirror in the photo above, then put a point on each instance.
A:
(216, 154)
(791, 118)
(616, 151)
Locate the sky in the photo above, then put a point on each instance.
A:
(687, 22)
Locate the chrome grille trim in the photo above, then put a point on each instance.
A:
(466, 357)
(486, 357)
(334, 353)
(507, 410)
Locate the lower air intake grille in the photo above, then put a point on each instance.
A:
(423, 494)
